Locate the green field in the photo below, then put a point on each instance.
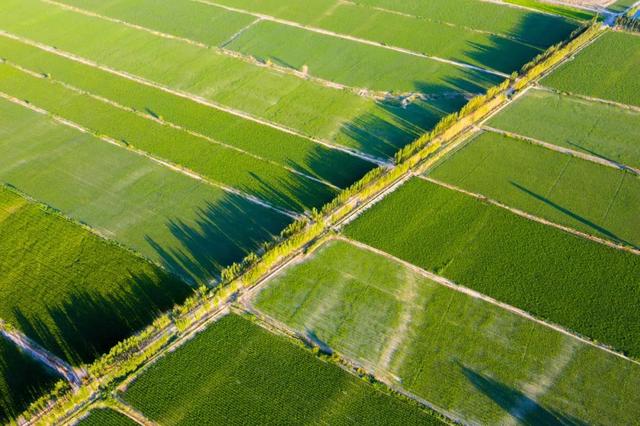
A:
(190, 227)
(592, 198)
(339, 116)
(556, 9)
(621, 5)
(607, 69)
(465, 355)
(22, 380)
(106, 417)
(237, 373)
(284, 148)
(582, 285)
(593, 128)
(220, 165)
(70, 290)
(538, 29)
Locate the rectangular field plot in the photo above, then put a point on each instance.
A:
(299, 153)
(356, 64)
(192, 228)
(237, 373)
(22, 380)
(106, 417)
(219, 164)
(582, 285)
(589, 197)
(593, 128)
(338, 116)
(71, 291)
(607, 69)
(482, 363)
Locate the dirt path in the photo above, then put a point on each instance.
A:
(34, 350)
(477, 295)
(351, 38)
(568, 151)
(190, 96)
(534, 218)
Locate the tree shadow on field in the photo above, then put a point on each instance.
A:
(88, 323)
(581, 219)
(516, 404)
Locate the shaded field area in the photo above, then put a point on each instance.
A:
(339, 116)
(607, 69)
(469, 357)
(22, 380)
(299, 153)
(582, 285)
(71, 291)
(238, 373)
(540, 30)
(621, 5)
(597, 129)
(192, 228)
(106, 417)
(219, 164)
(590, 197)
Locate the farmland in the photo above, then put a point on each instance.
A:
(560, 120)
(435, 341)
(78, 298)
(542, 270)
(167, 216)
(21, 380)
(567, 190)
(228, 374)
(607, 69)
(106, 417)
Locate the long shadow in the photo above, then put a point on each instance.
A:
(87, 324)
(599, 229)
(601, 156)
(518, 405)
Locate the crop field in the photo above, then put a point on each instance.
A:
(590, 197)
(435, 342)
(70, 290)
(340, 116)
(274, 145)
(192, 228)
(22, 380)
(106, 417)
(560, 120)
(228, 374)
(542, 270)
(607, 69)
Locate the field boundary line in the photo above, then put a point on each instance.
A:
(351, 38)
(588, 98)
(239, 33)
(568, 151)
(194, 98)
(130, 411)
(223, 51)
(179, 169)
(534, 218)
(41, 355)
(481, 296)
(164, 122)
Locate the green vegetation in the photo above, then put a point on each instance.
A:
(593, 128)
(538, 29)
(571, 281)
(219, 164)
(464, 355)
(299, 153)
(607, 69)
(557, 9)
(235, 372)
(340, 116)
(589, 197)
(106, 417)
(22, 380)
(192, 228)
(621, 5)
(70, 290)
